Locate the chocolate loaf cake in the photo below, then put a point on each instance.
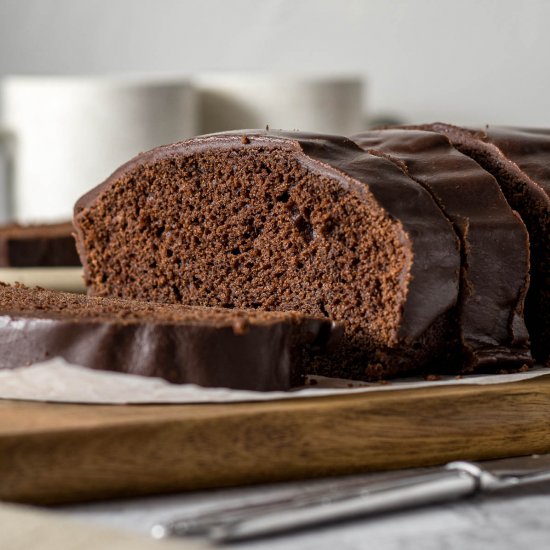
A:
(495, 243)
(520, 161)
(46, 245)
(207, 346)
(282, 221)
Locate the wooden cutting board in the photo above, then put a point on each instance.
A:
(53, 453)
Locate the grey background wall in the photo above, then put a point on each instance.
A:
(468, 61)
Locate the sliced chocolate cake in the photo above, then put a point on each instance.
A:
(283, 221)
(495, 243)
(207, 346)
(520, 161)
(45, 245)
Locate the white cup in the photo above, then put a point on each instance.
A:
(70, 133)
(230, 101)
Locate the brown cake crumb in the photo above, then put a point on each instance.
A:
(240, 326)
(432, 377)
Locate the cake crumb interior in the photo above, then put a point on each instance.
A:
(249, 228)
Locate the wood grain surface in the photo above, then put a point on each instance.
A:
(53, 453)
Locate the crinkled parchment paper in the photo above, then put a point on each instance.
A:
(58, 381)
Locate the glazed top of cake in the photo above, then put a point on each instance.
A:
(430, 157)
(495, 240)
(528, 148)
(436, 255)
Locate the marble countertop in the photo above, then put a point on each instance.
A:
(518, 518)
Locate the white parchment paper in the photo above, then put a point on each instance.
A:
(58, 381)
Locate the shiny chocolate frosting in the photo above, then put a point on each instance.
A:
(495, 245)
(519, 159)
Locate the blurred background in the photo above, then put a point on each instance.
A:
(470, 61)
(320, 62)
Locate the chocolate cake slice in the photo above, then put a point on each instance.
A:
(207, 346)
(520, 161)
(495, 243)
(283, 221)
(44, 245)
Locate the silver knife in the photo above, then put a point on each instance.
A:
(273, 515)
(198, 523)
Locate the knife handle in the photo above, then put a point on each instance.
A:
(417, 490)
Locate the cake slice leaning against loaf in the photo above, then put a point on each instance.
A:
(237, 349)
(283, 221)
(495, 243)
(519, 159)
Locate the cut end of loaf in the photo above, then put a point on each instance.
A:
(257, 225)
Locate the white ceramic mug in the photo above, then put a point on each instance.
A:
(229, 101)
(69, 133)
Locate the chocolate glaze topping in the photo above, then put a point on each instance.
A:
(518, 159)
(495, 246)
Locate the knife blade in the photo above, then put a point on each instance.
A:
(456, 480)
